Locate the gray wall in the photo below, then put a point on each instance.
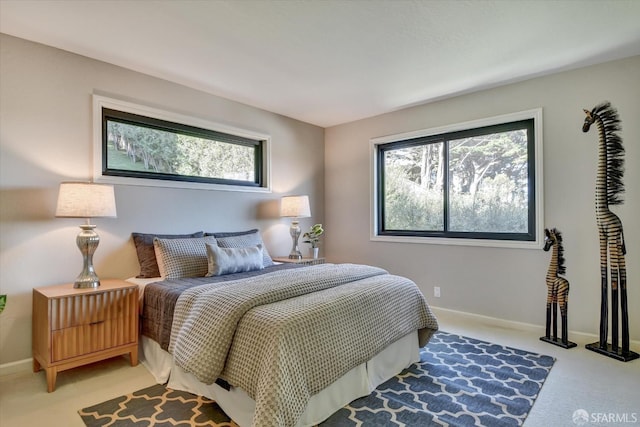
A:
(503, 283)
(46, 138)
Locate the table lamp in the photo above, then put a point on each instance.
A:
(86, 200)
(295, 207)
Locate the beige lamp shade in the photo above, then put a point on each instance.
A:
(86, 200)
(295, 207)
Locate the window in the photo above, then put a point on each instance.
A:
(477, 183)
(152, 147)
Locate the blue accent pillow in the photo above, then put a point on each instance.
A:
(233, 260)
(243, 239)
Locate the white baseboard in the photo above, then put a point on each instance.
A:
(521, 326)
(20, 366)
(488, 320)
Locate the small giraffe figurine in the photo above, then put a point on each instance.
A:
(557, 290)
(609, 187)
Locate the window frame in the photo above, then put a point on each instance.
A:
(144, 116)
(532, 240)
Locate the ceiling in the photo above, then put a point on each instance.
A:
(335, 61)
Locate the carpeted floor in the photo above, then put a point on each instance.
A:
(459, 381)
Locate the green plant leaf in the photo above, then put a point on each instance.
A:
(3, 302)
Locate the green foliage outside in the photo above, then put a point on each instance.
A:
(117, 159)
(488, 185)
(136, 148)
(408, 205)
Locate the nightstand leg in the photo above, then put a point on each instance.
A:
(36, 365)
(52, 373)
(133, 356)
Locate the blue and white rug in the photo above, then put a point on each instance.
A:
(459, 381)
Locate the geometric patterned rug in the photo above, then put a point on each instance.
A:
(156, 406)
(458, 382)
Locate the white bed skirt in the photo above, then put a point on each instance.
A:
(236, 403)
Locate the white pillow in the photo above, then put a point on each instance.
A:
(233, 260)
(182, 257)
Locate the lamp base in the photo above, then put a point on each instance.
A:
(294, 231)
(86, 283)
(87, 242)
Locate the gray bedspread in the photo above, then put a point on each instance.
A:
(284, 336)
(160, 299)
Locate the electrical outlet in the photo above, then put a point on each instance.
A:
(436, 291)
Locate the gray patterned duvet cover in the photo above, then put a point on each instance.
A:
(160, 299)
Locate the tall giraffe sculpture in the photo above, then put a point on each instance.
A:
(557, 290)
(609, 187)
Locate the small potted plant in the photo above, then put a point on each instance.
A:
(313, 238)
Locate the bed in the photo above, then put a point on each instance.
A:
(281, 344)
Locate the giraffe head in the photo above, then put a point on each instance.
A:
(549, 238)
(588, 121)
(554, 237)
(600, 111)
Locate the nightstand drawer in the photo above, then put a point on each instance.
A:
(89, 309)
(85, 339)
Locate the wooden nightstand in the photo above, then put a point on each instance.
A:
(74, 327)
(304, 261)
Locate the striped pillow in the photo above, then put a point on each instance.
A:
(182, 257)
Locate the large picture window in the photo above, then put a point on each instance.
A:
(474, 183)
(171, 150)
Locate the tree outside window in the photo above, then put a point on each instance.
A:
(476, 183)
(144, 147)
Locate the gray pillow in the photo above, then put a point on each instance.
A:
(182, 257)
(243, 239)
(233, 260)
(146, 252)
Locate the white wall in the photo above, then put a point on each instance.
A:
(503, 283)
(46, 138)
